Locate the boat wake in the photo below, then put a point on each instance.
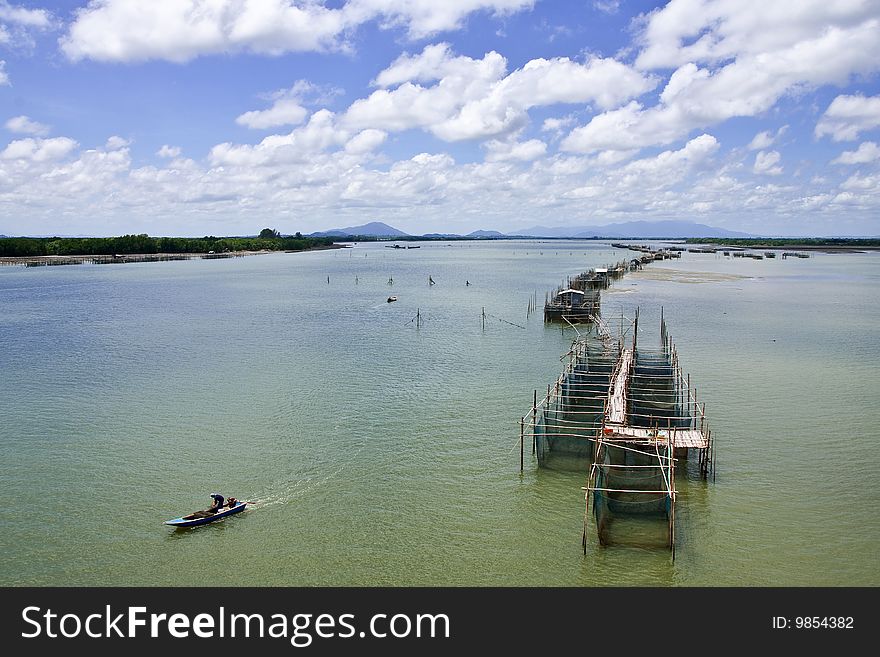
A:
(285, 492)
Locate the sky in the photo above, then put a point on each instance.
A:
(223, 117)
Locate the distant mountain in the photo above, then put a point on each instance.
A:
(486, 234)
(635, 229)
(372, 229)
(435, 236)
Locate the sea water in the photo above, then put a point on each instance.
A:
(381, 440)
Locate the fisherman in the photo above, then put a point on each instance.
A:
(217, 503)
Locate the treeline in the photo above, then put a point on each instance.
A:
(128, 244)
(757, 242)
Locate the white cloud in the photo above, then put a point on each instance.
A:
(116, 142)
(765, 163)
(669, 166)
(557, 124)
(867, 152)
(765, 139)
(761, 141)
(38, 150)
(17, 25)
(365, 141)
(461, 79)
(10, 13)
(607, 6)
(320, 175)
(849, 116)
(752, 54)
(4, 76)
(714, 31)
(319, 134)
(505, 151)
(434, 62)
(169, 152)
(473, 98)
(285, 111)
(25, 126)
(179, 30)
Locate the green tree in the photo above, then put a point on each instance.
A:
(269, 233)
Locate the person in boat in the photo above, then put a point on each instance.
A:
(231, 502)
(217, 503)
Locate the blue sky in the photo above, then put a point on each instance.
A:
(195, 117)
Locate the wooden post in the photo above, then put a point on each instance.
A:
(521, 461)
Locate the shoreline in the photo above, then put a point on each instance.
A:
(61, 260)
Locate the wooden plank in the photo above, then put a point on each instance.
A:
(617, 394)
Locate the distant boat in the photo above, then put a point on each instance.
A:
(203, 518)
(391, 299)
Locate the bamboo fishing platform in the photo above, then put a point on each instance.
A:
(628, 415)
(578, 299)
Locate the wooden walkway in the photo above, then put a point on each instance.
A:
(616, 409)
(680, 437)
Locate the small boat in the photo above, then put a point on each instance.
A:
(203, 517)
(391, 299)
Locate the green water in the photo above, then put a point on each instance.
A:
(385, 454)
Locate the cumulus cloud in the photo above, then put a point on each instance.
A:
(866, 152)
(169, 152)
(319, 134)
(848, 116)
(26, 126)
(365, 141)
(285, 111)
(179, 30)
(475, 98)
(714, 31)
(505, 151)
(9, 13)
(116, 142)
(607, 6)
(38, 150)
(766, 163)
(18, 24)
(734, 59)
(557, 125)
(761, 141)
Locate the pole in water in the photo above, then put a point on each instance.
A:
(328, 280)
(521, 461)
